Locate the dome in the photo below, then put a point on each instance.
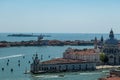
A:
(111, 35)
(111, 41)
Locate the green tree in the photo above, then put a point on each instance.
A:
(103, 58)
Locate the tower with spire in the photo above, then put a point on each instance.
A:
(111, 49)
(35, 64)
(95, 43)
(101, 44)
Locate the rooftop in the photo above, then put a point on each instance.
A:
(82, 52)
(111, 78)
(62, 61)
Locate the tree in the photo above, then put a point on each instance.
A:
(103, 58)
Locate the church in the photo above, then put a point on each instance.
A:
(110, 48)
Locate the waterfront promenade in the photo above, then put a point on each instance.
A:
(114, 74)
(107, 67)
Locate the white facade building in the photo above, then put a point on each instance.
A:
(60, 65)
(90, 55)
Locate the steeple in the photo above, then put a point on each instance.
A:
(95, 43)
(35, 59)
(111, 35)
(35, 64)
(95, 40)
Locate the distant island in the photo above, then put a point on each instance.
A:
(27, 35)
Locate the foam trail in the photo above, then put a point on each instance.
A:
(89, 73)
(12, 56)
(47, 76)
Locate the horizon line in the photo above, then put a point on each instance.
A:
(61, 32)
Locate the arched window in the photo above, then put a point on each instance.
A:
(73, 67)
(55, 68)
(66, 67)
(59, 68)
(86, 67)
(104, 50)
(111, 56)
(119, 59)
(79, 67)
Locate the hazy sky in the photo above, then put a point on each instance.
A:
(60, 16)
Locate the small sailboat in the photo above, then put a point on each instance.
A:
(29, 62)
(8, 60)
(2, 69)
(26, 72)
(11, 69)
(7, 63)
(61, 75)
(23, 57)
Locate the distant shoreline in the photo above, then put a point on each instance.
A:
(47, 43)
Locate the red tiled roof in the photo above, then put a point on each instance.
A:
(62, 60)
(113, 78)
(83, 52)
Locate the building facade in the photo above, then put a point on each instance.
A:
(110, 48)
(90, 55)
(60, 65)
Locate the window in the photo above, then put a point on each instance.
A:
(79, 67)
(55, 68)
(59, 67)
(73, 67)
(66, 67)
(111, 56)
(86, 67)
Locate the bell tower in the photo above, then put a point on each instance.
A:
(95, 43)
(35, 64)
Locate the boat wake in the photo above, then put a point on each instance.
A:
(89, 73)
(106, 71)
(47, 76)
(12, 56)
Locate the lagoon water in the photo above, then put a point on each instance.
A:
(14, 54)
(57, 36)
